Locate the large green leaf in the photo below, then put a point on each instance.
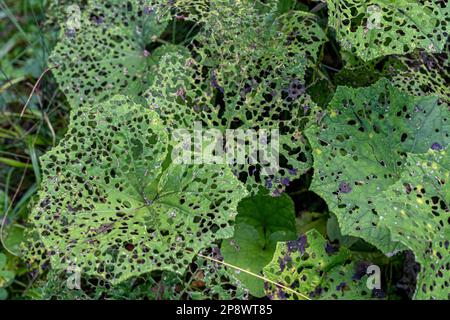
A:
(377, 28)
(311, 267)
(109, 207)
(103, 52)
(360, 146)
(246, 72)
(204, 279)
(261, 222)
(416, 211)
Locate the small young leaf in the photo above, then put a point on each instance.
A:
(261, 222)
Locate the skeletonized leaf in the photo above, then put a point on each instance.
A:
(312, 267)
(113, 208)
(359, 149)
(420, 74)
(204, 279)
(416, 211)
(102, 51)
(246, 72)
(378, 28)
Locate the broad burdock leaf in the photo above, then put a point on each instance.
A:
(376, 28)
(157, 56)
(360, 146)
(416, 211)
(246, 72)
(261, 222)
(105, 51)
(314, 268)
(201, 11)
(420, 74)
(303, 33)
(112, 207)
(249, 23)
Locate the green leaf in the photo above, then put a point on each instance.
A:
(376, 28)
(246, 72)
(102, 52)
(14, 163)
(420, 75)
(359, 74)
(360, 147)
(334, 233)
(312, 268)
(33, 251)
(303, 33)
(261, 222)
(321, 92)
(158, 54)
(416, 211)
(204, 279)
(110, 208)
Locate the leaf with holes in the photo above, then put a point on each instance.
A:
(420, 74)
(203, 280)
(360, 147)
(376, 28)
(106, 50)
(312, 268)
(416, 211)
(246, 73)
(112, 207)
